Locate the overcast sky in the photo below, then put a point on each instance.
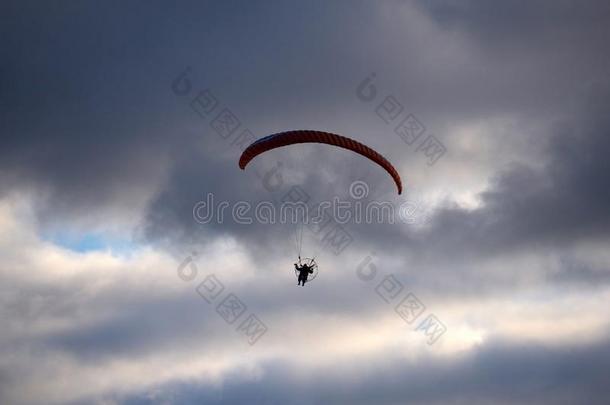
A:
(114, 290)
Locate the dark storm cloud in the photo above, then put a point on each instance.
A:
(89, 102)
(515, 22)
(578, 271)
(562, 203)
(87, 108)
(551, 49)
(533, 60)
(142, 327)
(78, 103)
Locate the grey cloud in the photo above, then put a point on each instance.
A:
(88, 116)
(498, 372)
(558, 205)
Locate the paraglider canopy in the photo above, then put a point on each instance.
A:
(306, 136)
